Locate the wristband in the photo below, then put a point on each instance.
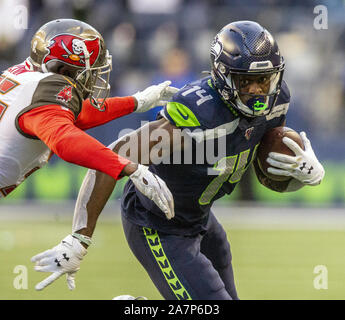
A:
(82, 238)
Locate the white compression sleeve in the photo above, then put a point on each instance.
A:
(80, 212)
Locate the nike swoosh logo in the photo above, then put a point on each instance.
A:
(185, 117)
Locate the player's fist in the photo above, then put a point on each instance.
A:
(153, 96)
(63, 259)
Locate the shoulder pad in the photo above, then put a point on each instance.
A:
(181, 115)
(281, 107)
(192, 106)
(60, 90)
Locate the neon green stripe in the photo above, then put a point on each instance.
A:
(209, 82)
(155, 245)
(182, 115)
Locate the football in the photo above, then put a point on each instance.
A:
(272, 142)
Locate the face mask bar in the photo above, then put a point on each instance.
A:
(254, 104)
(95, 81)
(267, 82)
(101, 87)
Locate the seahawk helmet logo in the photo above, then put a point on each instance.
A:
(68, 48)
(216, 48)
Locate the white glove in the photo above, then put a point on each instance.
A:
(304, 166)
(153, 96)
(154, 188)
(63, 258)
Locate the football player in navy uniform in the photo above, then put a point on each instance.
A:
(189, 257)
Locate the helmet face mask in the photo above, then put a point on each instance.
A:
(247, 68)
(95, 82)
(75, 49)
(252, 90)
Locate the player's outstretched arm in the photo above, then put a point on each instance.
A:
(116, 107)
(95, 192)
(141, 148)
(138, 147)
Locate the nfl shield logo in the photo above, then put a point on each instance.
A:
(248, 132)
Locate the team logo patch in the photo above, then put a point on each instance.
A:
(65, 94)
(249, 132)
(216, 48)
(69, 49)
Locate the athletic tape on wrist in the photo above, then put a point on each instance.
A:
(82, 238)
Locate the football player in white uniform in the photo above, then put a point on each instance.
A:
(48, 100)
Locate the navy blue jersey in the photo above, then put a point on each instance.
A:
(200, 180)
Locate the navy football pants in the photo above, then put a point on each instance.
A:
(185, 268)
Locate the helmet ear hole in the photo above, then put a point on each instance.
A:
(64, 70)
(61, 68)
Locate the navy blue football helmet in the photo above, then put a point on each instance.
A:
(245, 55)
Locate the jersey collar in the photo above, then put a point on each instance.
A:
(229, 106)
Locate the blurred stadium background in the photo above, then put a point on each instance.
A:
(277, 239)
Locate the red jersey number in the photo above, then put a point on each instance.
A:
(6, 85)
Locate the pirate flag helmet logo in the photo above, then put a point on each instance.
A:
(75, 49)
(69, 49)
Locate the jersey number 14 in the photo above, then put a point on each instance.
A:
(229, 171)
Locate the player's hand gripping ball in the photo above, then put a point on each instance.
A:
(272, 141)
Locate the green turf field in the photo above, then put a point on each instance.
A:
(268, 264)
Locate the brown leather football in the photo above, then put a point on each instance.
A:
(272, 142)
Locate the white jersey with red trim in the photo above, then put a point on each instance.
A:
(22, 89)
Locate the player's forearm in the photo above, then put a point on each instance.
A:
(130, 148)
(54, 126)
(75, 146)
(114, 108)
(97, 186)
(93, 195)
(150, 144)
